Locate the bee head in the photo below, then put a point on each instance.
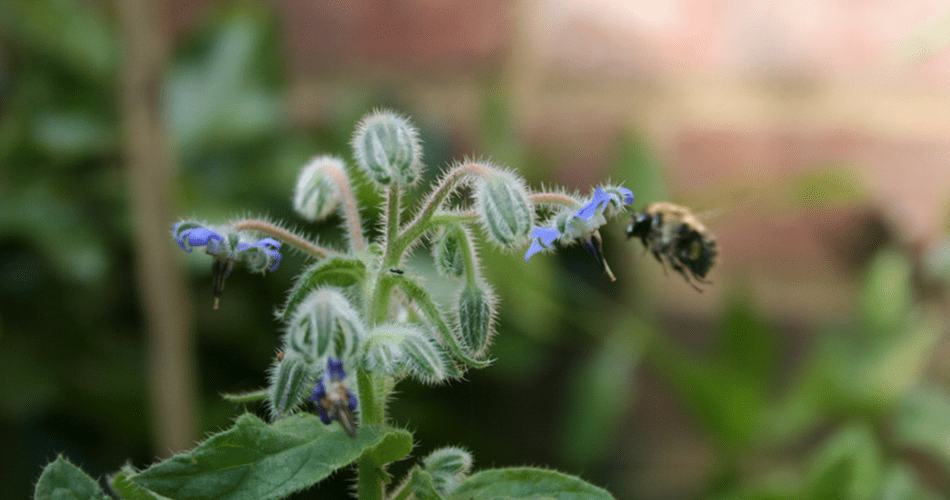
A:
(640, 226)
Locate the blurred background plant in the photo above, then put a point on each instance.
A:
(816, 366)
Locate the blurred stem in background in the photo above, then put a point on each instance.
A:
(171, 351)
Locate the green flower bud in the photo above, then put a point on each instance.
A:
(448, 251)
(405, 349)
(290, 382)
(387, 147)
(504, 207)
(448, 466)
(325, 324)
(317, 194)
(476, 316)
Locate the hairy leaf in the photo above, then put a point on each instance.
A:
(253, 460)
(62, 480)
(526, 483)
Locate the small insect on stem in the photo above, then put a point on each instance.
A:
(396, 271)
(280, 356)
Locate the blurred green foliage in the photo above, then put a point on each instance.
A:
(861, 415)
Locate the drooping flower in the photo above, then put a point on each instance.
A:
(583, 225)
(333, 399)
(226, 250)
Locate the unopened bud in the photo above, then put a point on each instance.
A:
(290, 382)
(448, 251)
(325, 324)
(448, 466)
(387, 147)
(405, 350)
(475, 316)
(504, 206)
(317, 194)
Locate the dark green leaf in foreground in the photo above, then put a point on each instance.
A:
(62, 480)
(526, 483)
(126, 489)
(253, 460)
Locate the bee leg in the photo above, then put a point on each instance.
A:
(678, 268)
(659, 258)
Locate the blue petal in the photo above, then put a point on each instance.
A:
(547, 235)
(542, 238)
(533, 249)
(269, 245)
(594, 206)
(352, 402)
(200, 236)
(627, 195)
(319, 392)
(324, 417)
(335, 369)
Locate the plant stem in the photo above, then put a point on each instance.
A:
(283, 235)
(370, 482)
(553, 199)
(350, 209)
(446, 186)
(468, 251)
(370, 476)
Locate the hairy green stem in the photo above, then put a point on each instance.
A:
(370, 482)
(468, 251)
(283, 235)
(404, 493)
(371, 478)
(439, 219)
(354, 229)
(553, 199)
(448, 184)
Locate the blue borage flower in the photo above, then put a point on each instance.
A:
(583, 225)
(334, 400)
(227, 249)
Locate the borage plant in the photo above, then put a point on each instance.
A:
(357, 322)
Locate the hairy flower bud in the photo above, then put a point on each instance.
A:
(405, 349)
(448, 466)
(505, 208)
(325, 324)
(475, 316)
(317, 194)
(448, 251)
(290, 382)
(387, 147)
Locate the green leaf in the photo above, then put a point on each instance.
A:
(922, 421)
(886, 295)
(527, 483)
(423, 485)
(333, 271)
(394, 446)
(253, 460)
(900, 483)
(847, 466)
(602, 393)
(62, 480)
(126, 489)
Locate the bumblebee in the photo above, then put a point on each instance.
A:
(676, 237)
